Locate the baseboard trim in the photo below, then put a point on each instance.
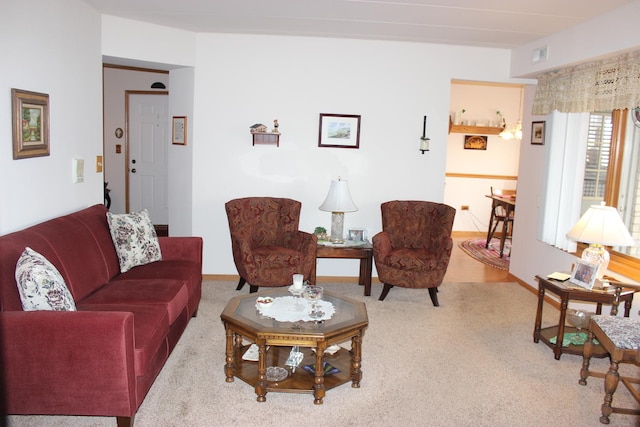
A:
(324, 279)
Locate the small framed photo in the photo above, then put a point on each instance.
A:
(475, 142)
(584, 274)
(179, 130)
(30, 124)
(537, 133)
(339, 130)
(357, 235)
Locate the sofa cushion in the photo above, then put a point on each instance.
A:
(172, 295)
(135, 239)
(150, 329)
(40, 284)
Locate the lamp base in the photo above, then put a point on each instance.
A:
(598, 255)
(337, 227)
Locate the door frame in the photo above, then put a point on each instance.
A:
(127, 94)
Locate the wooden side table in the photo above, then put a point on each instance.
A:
(362, 252)
(567, 293)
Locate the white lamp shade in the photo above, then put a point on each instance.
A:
(338, 199)
(601, 225)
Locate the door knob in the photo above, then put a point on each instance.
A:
(133, 170)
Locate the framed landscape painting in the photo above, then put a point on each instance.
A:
(30, 116)
(339, 130)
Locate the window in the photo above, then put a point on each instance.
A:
(612, 175)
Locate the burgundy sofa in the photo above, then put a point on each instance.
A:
(102, 359)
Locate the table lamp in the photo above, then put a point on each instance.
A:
(600, 226)
(338, 202)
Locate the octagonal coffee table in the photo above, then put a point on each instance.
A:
(274, 339)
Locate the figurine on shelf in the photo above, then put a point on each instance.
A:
(275, 126)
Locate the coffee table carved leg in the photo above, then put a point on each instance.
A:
(229, 367)
(261, 385)
(356, 360)
(318, 387)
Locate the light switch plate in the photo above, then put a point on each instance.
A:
(98, 163)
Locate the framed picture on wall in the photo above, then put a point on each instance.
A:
(30, 111)
(537, 133)
(179, 131)
(339, 130)
(475, 142)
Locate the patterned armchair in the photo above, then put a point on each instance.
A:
(414, 247)
(268, 249)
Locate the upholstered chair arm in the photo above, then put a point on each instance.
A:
(381, 245)
(181, 248)
(441, 249)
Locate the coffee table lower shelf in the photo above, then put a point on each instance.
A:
(546, 334)
(300, 381)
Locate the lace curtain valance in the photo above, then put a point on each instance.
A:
(605, 85)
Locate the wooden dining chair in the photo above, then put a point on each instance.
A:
(499, 215)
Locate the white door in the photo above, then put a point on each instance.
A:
(147, 167)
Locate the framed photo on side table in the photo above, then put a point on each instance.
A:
(179, 130)
(339, 130)
(537, 133)
(30, 124)
(584, 275)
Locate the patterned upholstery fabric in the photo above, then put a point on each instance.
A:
(414, 247)
(268, 249)
(624, 332)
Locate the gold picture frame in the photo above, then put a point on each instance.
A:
(30, 115)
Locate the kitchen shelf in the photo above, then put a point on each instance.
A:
(474, 130)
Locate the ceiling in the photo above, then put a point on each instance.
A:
(487, 23)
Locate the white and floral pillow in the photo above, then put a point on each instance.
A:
(135, 239)
(41, 285)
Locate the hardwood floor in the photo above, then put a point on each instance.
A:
(463, 268)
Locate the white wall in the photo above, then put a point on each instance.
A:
(53, 48)
(242, 80)
(481, 101)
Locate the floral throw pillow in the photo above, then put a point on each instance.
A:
(135, 239)
(41, 285)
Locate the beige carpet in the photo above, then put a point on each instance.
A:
(469, 362)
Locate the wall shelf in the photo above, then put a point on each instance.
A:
(474, 130)
(266, 138)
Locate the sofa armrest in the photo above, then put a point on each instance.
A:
(181, 248)
(76, 361)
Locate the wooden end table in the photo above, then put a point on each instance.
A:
(363, 252)
(567, 291)
(274, 340)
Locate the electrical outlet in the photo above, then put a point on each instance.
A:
(464, 207)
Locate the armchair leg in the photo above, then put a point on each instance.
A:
(433, 293)
(241, 284)
(385, 291)
(253, 289)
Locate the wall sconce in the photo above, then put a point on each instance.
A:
(424, 141)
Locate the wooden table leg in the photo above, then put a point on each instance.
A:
(536, 328)
(229, 367)
(366, 265)
(356, 360)
(318, 387)
(261, 385)
(557, 350)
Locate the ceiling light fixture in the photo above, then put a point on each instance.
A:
(514, 131)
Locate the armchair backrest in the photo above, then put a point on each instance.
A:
(263, 220)
(417, 224)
